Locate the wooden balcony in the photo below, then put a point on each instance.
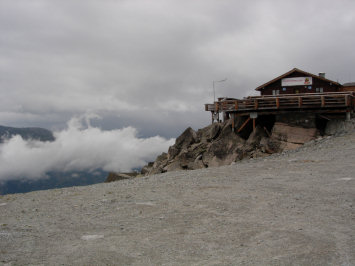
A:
(340, 101)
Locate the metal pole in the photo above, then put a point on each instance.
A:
(214, 91)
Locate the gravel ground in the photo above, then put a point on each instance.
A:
(296, 208)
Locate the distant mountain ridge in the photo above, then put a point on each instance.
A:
(35, 133)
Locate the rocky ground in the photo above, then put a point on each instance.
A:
(294, 208)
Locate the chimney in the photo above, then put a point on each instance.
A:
(321, 74)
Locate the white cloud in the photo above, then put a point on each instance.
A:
(79, 147)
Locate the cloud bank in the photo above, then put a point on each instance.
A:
(80, 147)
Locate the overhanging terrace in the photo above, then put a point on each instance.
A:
(253, 106)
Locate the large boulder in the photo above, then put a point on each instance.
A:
(159, 164)
(188, 137)
(112, 177)
(224, 150)
(173, 166)
(209, 133)
(147, 168)
(297, 135)
(255, 137)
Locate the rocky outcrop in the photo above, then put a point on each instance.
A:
(218, 144)
(214, 145)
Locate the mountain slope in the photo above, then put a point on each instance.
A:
(293, 208)
(35, 133)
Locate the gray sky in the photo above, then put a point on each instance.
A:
(146, 67)
(150, 63)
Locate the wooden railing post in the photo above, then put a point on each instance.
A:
(277, 103)
(322, 100)
(347, 100)
(236, 105)
(256, 104)
(299, 102)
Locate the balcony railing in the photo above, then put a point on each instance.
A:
(342, 100)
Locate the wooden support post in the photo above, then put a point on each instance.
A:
(299, 102)
(256, 104)
(347, 100)
(232, 117)
(236, 105)
(254, 123)
(277, 103)
(347, 116)
(322, 100)
(244, 124)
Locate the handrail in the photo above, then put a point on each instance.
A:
(289, 101)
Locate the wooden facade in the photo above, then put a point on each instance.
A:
(348, 86)
(298, 81)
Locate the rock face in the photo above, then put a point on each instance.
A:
(214, 145)
(291, 137)
(218, 144)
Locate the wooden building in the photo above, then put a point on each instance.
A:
(297, 81)
(350, 86)
(295, 92)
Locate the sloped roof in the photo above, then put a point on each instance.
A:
(292, 71)
(349, 84)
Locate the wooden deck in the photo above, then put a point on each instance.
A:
(336, 102)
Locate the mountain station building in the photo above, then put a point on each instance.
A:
(297, 81)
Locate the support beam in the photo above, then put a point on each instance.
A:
(254, 123)
(233, 122)
(267, 132)
(324, 117)
(244, 124)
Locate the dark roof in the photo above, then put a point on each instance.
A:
(349, 84)
(292, 71)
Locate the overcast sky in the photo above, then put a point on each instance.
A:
(149, 64)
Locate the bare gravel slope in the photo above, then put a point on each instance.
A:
(291, 209)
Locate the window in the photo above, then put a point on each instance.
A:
(275, 92)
